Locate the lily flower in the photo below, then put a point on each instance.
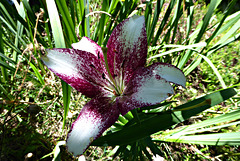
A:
(114, 77)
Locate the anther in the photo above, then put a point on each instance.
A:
(91, 65)
(123, 63)
(114, 50)
(98, 54)
(103, 76)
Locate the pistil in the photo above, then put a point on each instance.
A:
(104, 49)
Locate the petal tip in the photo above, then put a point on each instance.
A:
(92, 121)
(136, 17)
(74, 146)
(88, 45)
(170, 73)
(44, 57)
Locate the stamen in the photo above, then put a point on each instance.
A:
(116, 78)
(103, 76)
(114, 63)
(107, 68)
(123, 63)
(122, 75)
(115, 51)
(121, 83)
(109, 89)
(110, 83)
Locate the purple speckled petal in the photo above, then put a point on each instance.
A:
(96, 116)
(80, 69)
(150, 86)
(127, 47)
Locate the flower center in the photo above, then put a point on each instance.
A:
(116, 81)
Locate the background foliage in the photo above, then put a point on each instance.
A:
(200, 38)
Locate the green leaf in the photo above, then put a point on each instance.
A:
(157, 11)
(7, 16)
(162, 121)
(219, 30)
(231, 32)
(67, 20)
(30, 12)
(184, 134)
(202, 27)
(179, 48)
(164, 21)
(214, 70)
(6, 93)
(206, 19)
(12, 30)
(59, 43)
(38, 75)
(102, 23)
(6, 65)
(66, 100)
(56, 151)
(232, 138)
(3, 69)
(21, 12)
(55, 24)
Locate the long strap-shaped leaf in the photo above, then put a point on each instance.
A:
(3, 69)
(233, 21)
(63, 9)
(165, 120)
(206, 20)
(55, 24)
(215, 70)
(184, 135)
(232, 138)
(59, 43)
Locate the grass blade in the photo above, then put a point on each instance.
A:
(59, 43)
(206, 19)
(7, 16)
(179, 48)
(3, 69)
(231, 32)
(55, 24)
(21, 12)
(8, 96)
(66, 100)
(102, 23)
(215, 70)
(6, 65)
(155, 19)
(216, 32)
(232, 138)
(164, 22)
(192, 66)
(67, 20)
(38, 75)
(202, 30)
(183, 134)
